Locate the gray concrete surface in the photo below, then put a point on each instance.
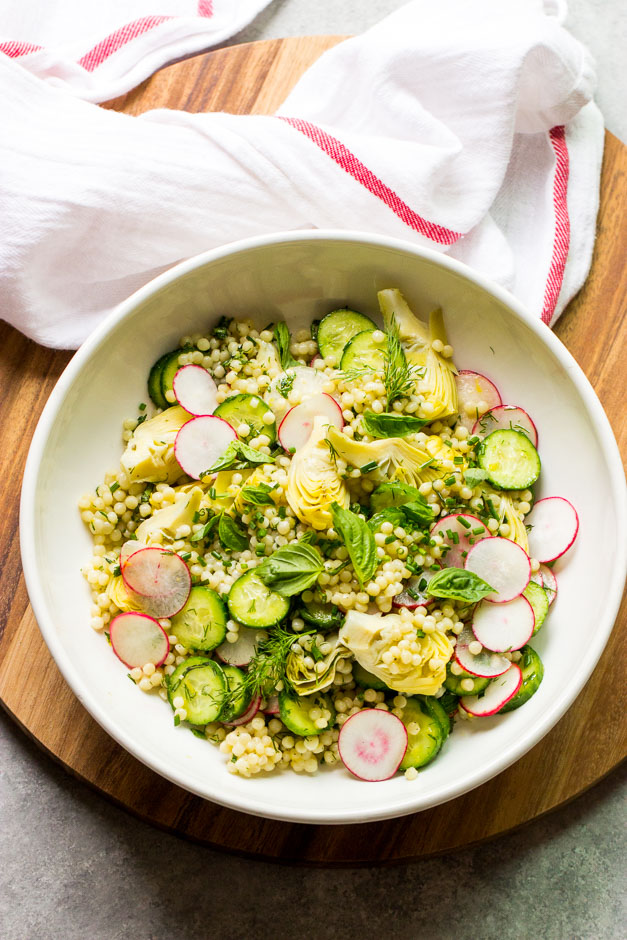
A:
(75, 867)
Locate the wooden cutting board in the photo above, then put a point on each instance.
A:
(586, 744)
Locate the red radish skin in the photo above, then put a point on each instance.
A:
(158, 580)
(504, 417)
(497, 694)
(242, 651)
(504, 627)
(195, 390)
(372, 744)
(296, 427)
(502, 564)
(486, 664)
(137, 639)
(248, 715)
(546, 579)
(554, 526)
(404, 599)
(474, 389)
(201, 442)
(454, 557)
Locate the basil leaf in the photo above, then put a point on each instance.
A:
(257, 495)
(393, 514)
(291, 569)
(458, 585)
(474, 475)
(391, 425)
(231, 535)
(417, 512)
(238, 456)
(206, 529)
(282, 339)
(359, 541)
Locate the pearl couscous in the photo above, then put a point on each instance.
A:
(323, 561)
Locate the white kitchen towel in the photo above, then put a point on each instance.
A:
(466, 127)
(101, 50)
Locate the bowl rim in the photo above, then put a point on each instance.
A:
(252, 804)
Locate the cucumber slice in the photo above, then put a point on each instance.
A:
(253, 604)
(367, 680)
(322, 616)
(532, 675)
(453, 682)
(294, 712)
(154, 382)
(510, 460)
(237, 705)
(337, 328)
(363, 352)
(424, 745)
(201, 684)
(449, 703)
(201, 625)
(539, 600)
(247, 409)
(169, 369)
(432, 706)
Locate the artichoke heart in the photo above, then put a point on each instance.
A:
(305, 679)
(373, 640)
(396, 458)
(437, 385)
(149, 456)
(117, 592)
(506, 513)
(313, 480)
(165, 522)
(254, 478)
(297, 382)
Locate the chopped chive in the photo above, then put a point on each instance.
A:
(390, 539)
(449, 533)
(212, 492)
(448, 443)
(142, 406)
(473, 440)
(464, 554)
(282, 512)
(464, 522)
(455, 538)
(367, 467)
(201, 561)
(261, 533)
(217, 555)
(479, 530)
(260, 550)
(177, 721)
(449, 481)
(185, 555)
(116, 571)
(459, 459)
(114, 487)
(131, 678)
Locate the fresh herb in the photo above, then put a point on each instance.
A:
(145, 497)
(222, 328)
(141, 419)
(458, 459)
(116, 571)
(359, 541)
(231, 535)
(268, 665)
(314, 330)
(369, 467)
(458, 585)
(416, 511)
(131, 678)
(398, 376)
(464, 522)
(198, 733)
(238, 456)
(285, 384)
(177, 720)
(114, 487)
(257, 495)
(474, 475)
(282, 339)
(391, 425)
(206, 529)
(142, 406)
(292, 569)
(449, 481)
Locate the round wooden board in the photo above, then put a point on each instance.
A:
(579, 751)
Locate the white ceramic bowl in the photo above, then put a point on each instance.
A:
(301, 276)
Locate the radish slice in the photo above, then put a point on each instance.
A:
(497, 694)
(475, 396)
(272, 706)
(248, 715)
(159, 580)
(137, 639)
(201, 442)
(128, 549)
(450, 527)
(486, 664)
(195, 390)
(503, 565)
(504, 417)
(504, 627)
(546, 579)
(242, 651)
(372, 744)
(296, 426)
(554, 524)
(411, 602)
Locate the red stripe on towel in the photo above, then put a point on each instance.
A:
(355, 168)
(15, 49)
(561, 240)
(96, 56)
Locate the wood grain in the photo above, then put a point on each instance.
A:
(578, 752)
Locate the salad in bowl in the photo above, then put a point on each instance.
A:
(323, 550)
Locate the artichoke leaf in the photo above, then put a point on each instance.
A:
(149, 455)
(314, 482)
(306, 679)
(507, 513)
(395, 458)
(164, 522)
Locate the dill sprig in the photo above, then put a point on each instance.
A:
(399, 376)
(268, 665)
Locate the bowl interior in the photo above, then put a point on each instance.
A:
(301, 278)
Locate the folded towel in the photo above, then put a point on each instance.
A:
(466, 127)
(101, 50)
